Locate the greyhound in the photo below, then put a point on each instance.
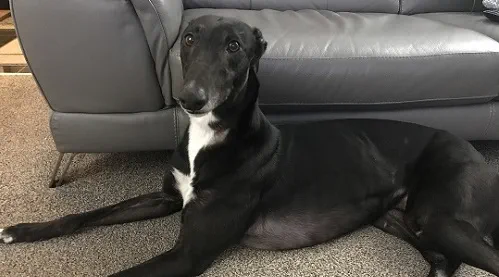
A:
(238, 179)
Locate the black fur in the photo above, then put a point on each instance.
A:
(301, 184)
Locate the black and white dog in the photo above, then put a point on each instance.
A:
(238, 179)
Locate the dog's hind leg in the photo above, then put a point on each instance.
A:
(139, 208)
(393, 224)
(459, 241)
(440, 265)
(493, 239)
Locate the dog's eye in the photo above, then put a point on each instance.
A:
(189, 40)
(233, 46)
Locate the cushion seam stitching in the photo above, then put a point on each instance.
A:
(373, 57)
(379, 103)
(160, 21)
(175, 125)
(491, 115)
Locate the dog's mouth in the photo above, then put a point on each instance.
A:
(195, 113)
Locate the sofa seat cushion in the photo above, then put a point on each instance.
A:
(322, 59)
(473, 21)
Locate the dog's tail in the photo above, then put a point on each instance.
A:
(460, 241)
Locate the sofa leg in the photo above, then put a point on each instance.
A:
(54, 182)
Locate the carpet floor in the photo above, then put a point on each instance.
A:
(27, 154)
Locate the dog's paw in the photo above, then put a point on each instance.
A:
(31, 232)
(5, 237)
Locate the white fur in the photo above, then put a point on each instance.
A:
(184, 186)
(200, 136)
(6, 238)
(441, 273)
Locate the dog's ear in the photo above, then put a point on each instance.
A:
(260, 47)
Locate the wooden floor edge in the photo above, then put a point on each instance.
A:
(11, 74)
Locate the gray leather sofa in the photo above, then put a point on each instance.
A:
(110, 69)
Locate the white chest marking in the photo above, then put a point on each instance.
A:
(184, 186)
(201, 135)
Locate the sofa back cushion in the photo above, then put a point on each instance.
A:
(219, 4)
(385, 6)
(427, 6)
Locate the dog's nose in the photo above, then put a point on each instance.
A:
(193, 98)
(192, 105)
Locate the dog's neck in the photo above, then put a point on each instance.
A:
(232, 121)
(233, 112)
(236, 118)
(242, 113)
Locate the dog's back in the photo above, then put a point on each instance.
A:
(361, 157)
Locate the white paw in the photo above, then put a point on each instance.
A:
(5, 238)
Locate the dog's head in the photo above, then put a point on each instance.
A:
(217, 55)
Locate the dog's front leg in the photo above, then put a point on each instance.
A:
(207, 230)
(142, 207)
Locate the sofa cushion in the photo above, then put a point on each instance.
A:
(386, 6)
(426, 6)
(326, 59)
(473, 21)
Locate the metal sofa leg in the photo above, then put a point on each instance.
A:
(54, 182)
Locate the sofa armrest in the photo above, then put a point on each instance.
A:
(160, 17)
(161, 20)
(97, 56)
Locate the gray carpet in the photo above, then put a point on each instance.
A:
(27, 153)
